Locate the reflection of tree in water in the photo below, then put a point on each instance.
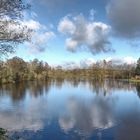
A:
(138, 89)
(120, 84)
(108, 86)
(74, 82)
(38, 88)
(97, 86)
(58, 82)
(103, 87)
(16, 91)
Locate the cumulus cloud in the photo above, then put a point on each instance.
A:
(70, 65)
(32, 24)
(125, 60)
(67, 26)
(40, 36)
(85, 63)
(39, 41)
(88, 62)
(125, 18)
(129, 60)
(81, 33)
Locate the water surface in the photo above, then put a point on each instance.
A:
(71, 110)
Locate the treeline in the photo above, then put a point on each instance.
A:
(100, 71)
(94, 73)
(17, 70)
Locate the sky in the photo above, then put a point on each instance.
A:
(79, 31)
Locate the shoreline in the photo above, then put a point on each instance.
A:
(132, 80)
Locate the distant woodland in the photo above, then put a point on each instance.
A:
(17, 70)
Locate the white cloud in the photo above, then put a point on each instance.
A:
(129, 60)
(125, 60)
(108, 59)
(87, 62)
(39, 41)
(70, 65)
(34, 25)
(66, 26)
(81, 33)
(40, 36)
(71, 44)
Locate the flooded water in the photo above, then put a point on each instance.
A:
(71, 110)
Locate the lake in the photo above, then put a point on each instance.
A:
(71, 110)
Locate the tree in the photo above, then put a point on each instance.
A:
(137, 71)
(17, 64)
(37, 66)
(12, 31)
(17, 67)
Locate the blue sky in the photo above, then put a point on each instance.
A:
(62, 29)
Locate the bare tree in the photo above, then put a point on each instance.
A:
(12, 30)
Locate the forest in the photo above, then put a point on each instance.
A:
(17, 70)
